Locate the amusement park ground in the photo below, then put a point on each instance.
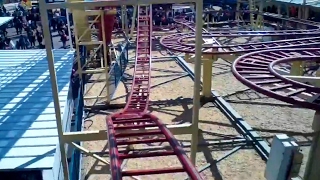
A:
(266, 115)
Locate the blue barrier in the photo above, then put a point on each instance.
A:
(118, 68)
(115, 74)
(74, 165)
(77, 87)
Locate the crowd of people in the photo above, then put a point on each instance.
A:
(28, 28)
(161, 15)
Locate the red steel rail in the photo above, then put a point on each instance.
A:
(179, 42)
(121, 126)
(257, 71)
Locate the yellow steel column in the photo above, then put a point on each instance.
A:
(238, 10)
(252, 7)
(207, 78)
(297, 68)
(54, 88)
(197, 83)
(126, 30)
(259, 21)
(105, 54)
(187, 57)
(77, 48)
(133, 20)
(81, 24)
(318, 81)
(207, 74)
(122, 18)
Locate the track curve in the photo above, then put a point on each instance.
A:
(234, 33)
(122, 126)
(177, 42)
(256, 70)
(313, 28)
(229, 32)
(312, 24)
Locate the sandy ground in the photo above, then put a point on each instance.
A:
(265, 115)
(171, 101)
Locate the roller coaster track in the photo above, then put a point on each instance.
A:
(180, 42)
(278, 16)
(191, 25)
(257, 67)
(122, 126)
(229, 32)
(176, 42)
(234, 33)
(314, 26)
(256, 70)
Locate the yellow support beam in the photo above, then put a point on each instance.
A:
(252, 7)
(80, 19)
(207, 78)
(297, 68)
(176, 129)
(207, 61)
(207, 74)
(188, 58)
(238, 14)
(317, 83)
(259, 21)
(228, 57)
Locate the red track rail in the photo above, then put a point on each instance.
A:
(179, 42)
(256, 70)
(121, 126)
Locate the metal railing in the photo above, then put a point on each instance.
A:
(116, 72)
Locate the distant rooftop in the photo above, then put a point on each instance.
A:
(4, 20)
(28, 132)
(314, 3)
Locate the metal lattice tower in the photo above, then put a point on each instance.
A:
(259, 20)
(90, 46)
(256, 22)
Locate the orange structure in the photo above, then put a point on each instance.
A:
(109, 20)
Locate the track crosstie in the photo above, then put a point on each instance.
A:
(257, 68)
(122, 126)
(257, 71)
(184, 42)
